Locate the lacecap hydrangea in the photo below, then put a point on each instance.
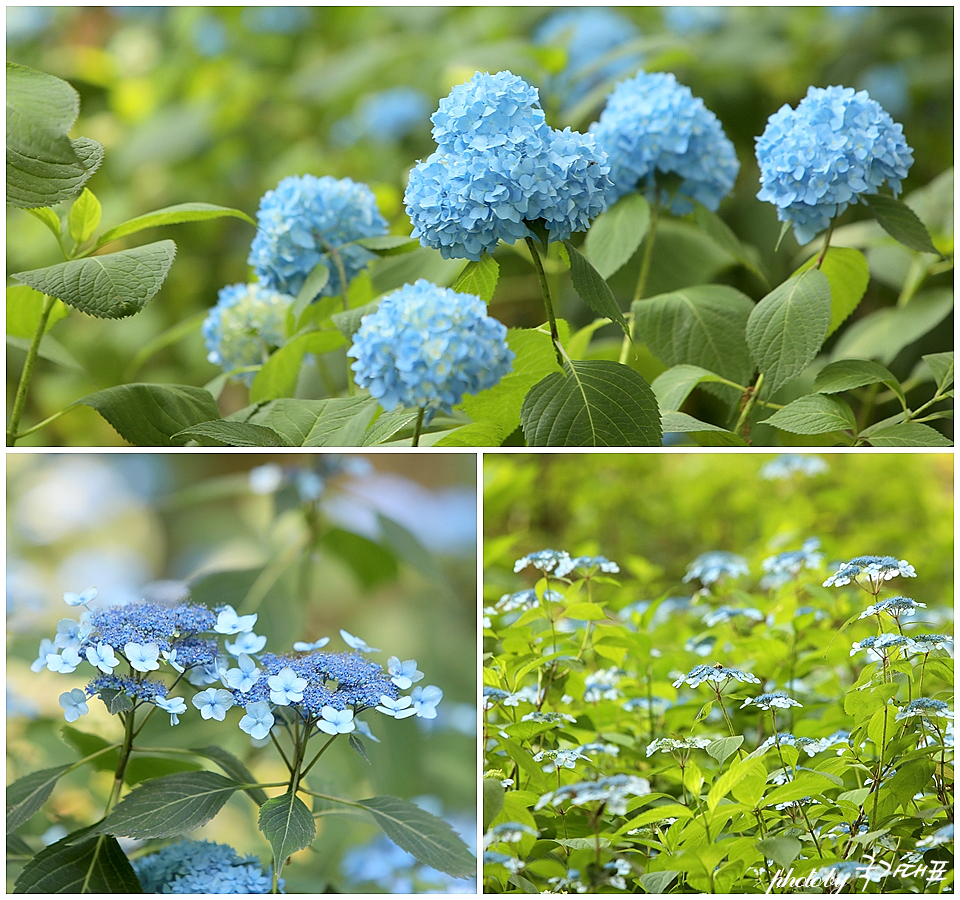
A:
(499, 167)
(304, 221)
(201, 867)
(426, 346)
(653, 126)
(837, 146)
(245, 327)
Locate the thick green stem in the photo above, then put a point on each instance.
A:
(748, 403)
(418, 428)
(547, 299)
(125, 748)
(20, 400)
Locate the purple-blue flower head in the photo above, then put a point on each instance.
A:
(201, 867)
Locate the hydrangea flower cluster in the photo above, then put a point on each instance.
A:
(835, 147)
(508, 833)
(498, 167)
(716, 673)
(561, 563)
(725, 613)
(669, 745)
(245, 327)
(876, 570)
(926, 708)
(385, 117)
(880, 643)
(786, 465)
(775, 700)
(893, 606)
(308, 220)
(201, 867)
(614, 791)
(710, 567)
(426, 346)
(653, 126)
(787, 566)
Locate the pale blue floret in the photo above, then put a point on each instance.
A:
(102, 657)
(201, 867)
(228, 622)
(926, 708)
(246, 642)
(47, 647)
(653, 126)
(142, 657)
(875, 568)
(74, 704)
(544, 560)
(64, 662)
(586, 564)
(787, 566)
(399, 709)
(245, 676)
(80, 599)
(172, 705)
(768, 701)
(306, 219)
(699, 674)
(425, 701)
(837, 146)
(786, 465)
(247, 324)
(213, 703)
(893, 606)
(715, 564)
(305, 647)
(357, 643)
(427, 346)
(403, 674)
(336, 721)
(286, 687)
(258, 720)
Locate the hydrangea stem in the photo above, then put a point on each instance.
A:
(20, 400)
(418, 427)
(547, 300)
(644, 270)
(749, 400)
(826, 243)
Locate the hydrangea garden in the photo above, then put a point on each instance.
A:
(704, 685)
(581, 227)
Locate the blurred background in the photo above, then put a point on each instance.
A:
(383, 546)
(216, 104)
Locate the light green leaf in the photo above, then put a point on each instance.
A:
(431, 840)
(315, 282)
(24, 309)
(941, 364)
(288, 825)
(387, 425)
(94, 865)
(593, 290)
(307, 423)
(723, 748)
(151, 415)
(49, 218)
(699, 326)
(593, 403)
(783, 850)
(493, 794)
(722, 235)
(906, 434)
(674, 386)
(657, 882)
(900, 222)
(278, 376)
(814, 414)
(349, 320)
(848, 273)
(84, 216)
(220, 433)
(847, 374)
(787, 328)
(479, 278)
(388, 244)
(616, 233)
(806, 784)
(26, 795)
(733, 776)
(171, 215)
(111, 286)
(705, 434)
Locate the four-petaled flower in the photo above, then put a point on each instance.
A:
(63, 662)
(245, 677)
(74, 704)
(357, 643)
(142, 657)
(336, 721)
(47, 647)
(103, 657)
(83, 599)
(306, 647)
(286, 687)
(403, 674)
(425, 701)
(246, 642)
(228, 622)
(174, 706)
(767, 701)
(213, 703)
(399, 709)
(258, 720)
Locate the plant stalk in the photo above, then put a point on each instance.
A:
(547, 299)
(20, 400)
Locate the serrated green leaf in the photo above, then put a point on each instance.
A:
(616, 233)
(733, 776)
(168, 806)
(705, 434)
(95, 865)
(493, 795)
(593, 403)
(592, 288)
(233, 766)
(722, 235)
(26, 795)
(313, 284)
(111, 286)
(349, 320)
(848, 273)
(387, 425)
(906, 434)
(723, 748)
(941, 364)
(288, 825)
(783, 850)
(900, 222)
(116, 701)
(814, 414)
(699, 326)
(431, 840)
(278, 376)
(25, 309)
(171, 215)
(142, 768)
(220, 433)
(787, 328)
(479, 278)
(309, 423)
(847, 374)
(674, 386)
(657, 882)
(84, 216)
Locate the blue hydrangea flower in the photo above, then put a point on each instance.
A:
(544, 560)
(201, 867)
(787, 566)
(426, 346)
(876, 569)
(425, 700)
(716, 673)
(213, 703)
(102, 657)
(357, 643)
(922, 706)
(614, 791)
(591, 37)
(499, 166)
(398, 709)
(172, 705)
(725, 613)
(835, 147)
(302, 220)
(244, 677)
(387, 117)
(879, 644)
(777, 699)
(712, 566)
(336, 721)
(668, 745)
(927, 643)
(245, 327)
(693, 19)
(786, 465)
(893, 606)
(508, 833)
(74, 704)
(142, 657)
(145, 689)
(258, 720)
(228, 622)
(585, 564)
(403, 674)
(83, 599)
(653, 126)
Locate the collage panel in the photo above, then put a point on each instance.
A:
(197, 698)
(718, 673)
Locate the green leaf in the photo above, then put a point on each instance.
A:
(593, 403)
(848, 273)
(234, 768)
(814, 414)
(94, 865)
(171, 805)
(142, 768)
(18, 849)
(847, 374)
(116, 701)
(387, 425)
(150, 415)
(722, 235)
(372, 564)
(308, 423)
(349, 321)
(84, 216)
(782, 850)
(111, 286)
(733, 776)
(388, 244)
(406, 546)
(171, 215)
(593, 290)
(787, 328)
(24, 309)
(699, 326)
(220, 433)
(357, 746)
(704, 433)
(900, 222)
(806, 784)
(616, 233)
(941, 364)
(287, 823)
(278, 377)
(479, 278)
(26, 795)
(44, 167)
(49, 218)
(493, 794)
(50, 349)
(674, 386)
(906, 434)
(657, 882)
(87, 744)
(315, 282)
(431, 840)
(723, 748)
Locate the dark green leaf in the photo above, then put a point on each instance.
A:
(171, 215)
(431, 840)
(116, 701)
(593, 403)
(50, 349)
(906, 434)
(307, 423)
(616, 233)
(18, 849)
(900, 222)
(593, 290)
(142, 768)
(278, 377)
(408, 548)
(94, 865)
(674, 386)
(356, 745)
(787, 327)
(699, 326)
(150, 415)
(315, 282)
(26, 795)
(287, 823)
(814, 414)
(231, 765)
(941, 364)
(848, 273)
(84, 216)
(847, 374)
(220, 433)
(479, 278)
(722, 235)
(112, 286)
(703, 433)
(493, 794)
(171, 805)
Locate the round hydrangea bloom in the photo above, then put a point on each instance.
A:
(817, 159)
(499, 166)
(201, 867)
(301, 219)
(653, 126)
(245, 327)
(426, 346)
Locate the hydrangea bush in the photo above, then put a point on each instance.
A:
(611, 200)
